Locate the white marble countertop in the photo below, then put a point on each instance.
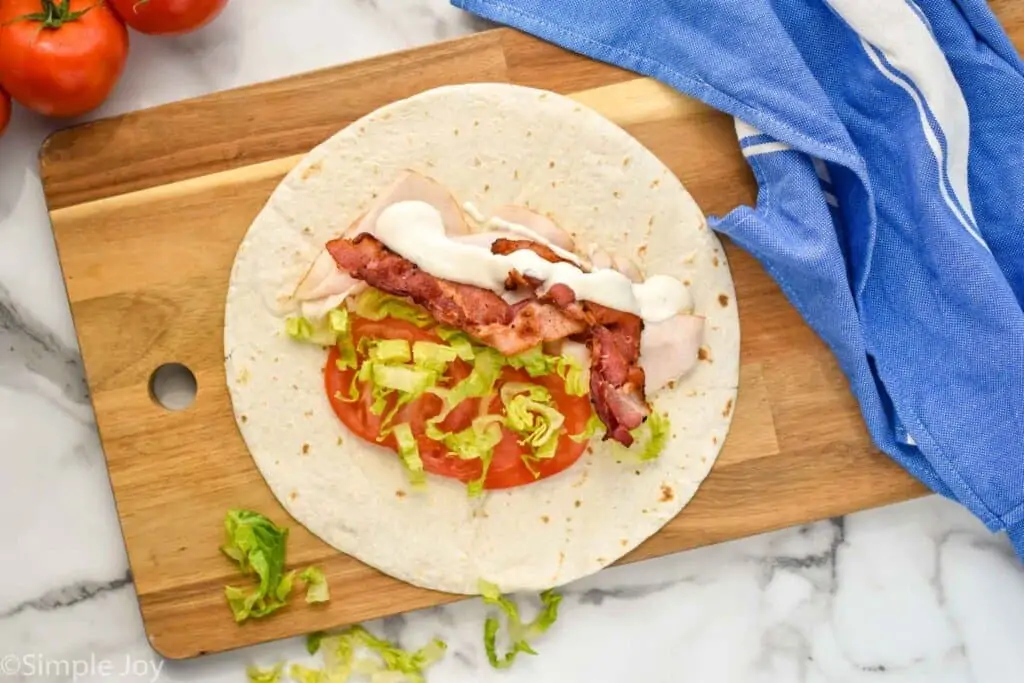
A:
(915, 592)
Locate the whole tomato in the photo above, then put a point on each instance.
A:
(60, 57)
(5, 111)
(168, 17)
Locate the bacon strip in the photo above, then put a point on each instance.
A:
(616, 378)
(505, 246)
(479, 312)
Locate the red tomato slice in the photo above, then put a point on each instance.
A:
(507, 467)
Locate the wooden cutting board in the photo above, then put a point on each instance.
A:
(148, 209)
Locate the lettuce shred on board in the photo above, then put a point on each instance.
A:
(258, 546)
(317, 589)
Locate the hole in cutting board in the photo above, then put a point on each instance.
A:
(173, 386)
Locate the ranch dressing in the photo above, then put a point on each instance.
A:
(474, 213)
(415, 231)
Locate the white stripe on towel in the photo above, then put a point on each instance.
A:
(821, 169)
(744, 129)
(765, 148)
(903, 38)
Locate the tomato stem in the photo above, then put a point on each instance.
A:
(55, 13)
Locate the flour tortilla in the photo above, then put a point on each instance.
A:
(489, 144)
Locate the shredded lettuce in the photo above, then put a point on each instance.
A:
(397, 659)
(447, 333)
(409, 383)
(409, 451)
(338, 653)
(487, 364)
(390, 351)
(458, 340)
(344, 655)
(339, 323)
(258, 546)
(374, 304)
(519, 634)
(361, 376)
(649, 438)
(380, 402)
(476, 441)
(658, 430)
(463, 347)
(303, 330)
(333, 329)
(317, 589)
(403, 378)
(537, 363)
(479, 439)
(304, 674)
(534, 361)
(431, 356)
(257, 674)
(573, 374)
(387, 370)
(530, 413)
(591, 428)
(313, 641)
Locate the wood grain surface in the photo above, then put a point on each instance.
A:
(147, 223)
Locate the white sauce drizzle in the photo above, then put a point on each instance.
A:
(415, 231)
(474, 213)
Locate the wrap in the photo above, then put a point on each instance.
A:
(491, 145)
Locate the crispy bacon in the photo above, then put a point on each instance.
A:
(504, 247)
(533, 323)
(366, 258)
(480, 312)
(616, 378)
(617, 382)
(517, 281)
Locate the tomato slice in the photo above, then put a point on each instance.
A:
(507, 468)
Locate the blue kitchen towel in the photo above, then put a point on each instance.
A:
(887, 140)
